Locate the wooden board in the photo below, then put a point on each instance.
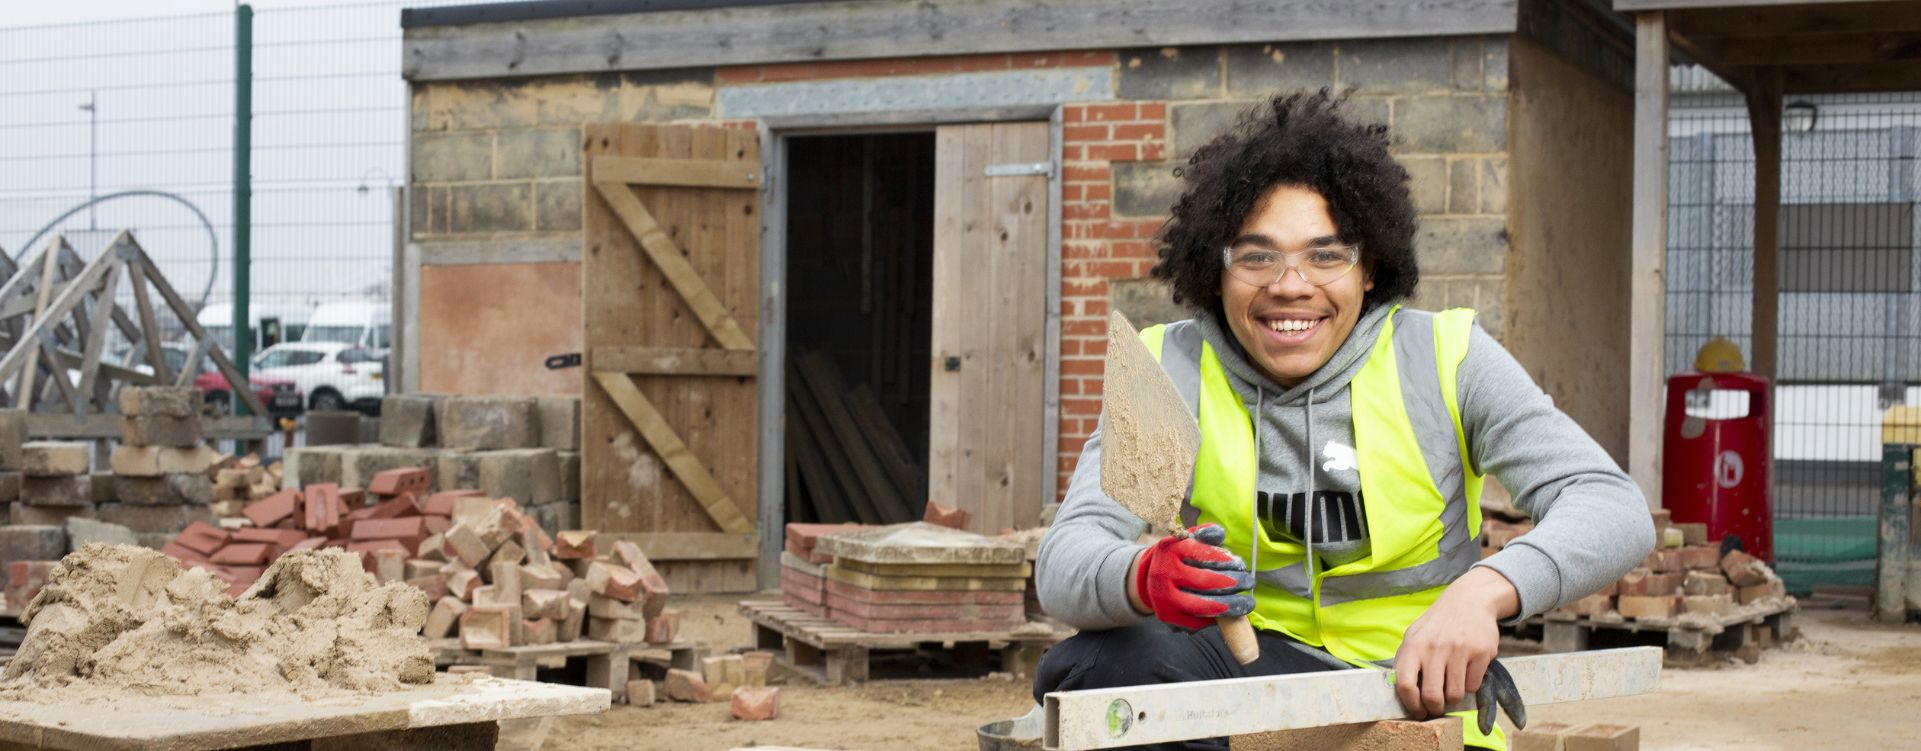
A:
(490, 327)
(628, 301)
(822, 632)
(990, 299)
(211, 722)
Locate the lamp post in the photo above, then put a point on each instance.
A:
(93, 140)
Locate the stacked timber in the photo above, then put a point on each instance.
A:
(849, 461)
(923, 578)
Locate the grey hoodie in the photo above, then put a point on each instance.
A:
(1592, 521)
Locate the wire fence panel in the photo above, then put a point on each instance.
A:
(1850, 296)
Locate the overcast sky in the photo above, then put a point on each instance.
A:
(29, 13)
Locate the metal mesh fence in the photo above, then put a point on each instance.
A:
(139, 114)
(1850, 296)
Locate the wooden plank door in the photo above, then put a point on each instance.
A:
(990, 298)
(670, 273)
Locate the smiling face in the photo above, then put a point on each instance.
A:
(1291, 328)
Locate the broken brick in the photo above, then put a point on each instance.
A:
(202, 538)
(1744, 570)
(1647, 606)
(243, 554)
(441, 620)
(574, 544)
(465, 545)
(408, 530)
(442, 503)
(755, 703)
(391, 482)
(1603, 737)
(946, 516)
(280, 538)
(1699, 558)
(614, 580)
(640, 693)
(663, 628)
(488, 627)
(686, 685)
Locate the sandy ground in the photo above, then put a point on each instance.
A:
(1848, 683)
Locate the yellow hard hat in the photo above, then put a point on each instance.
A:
(1719, 356)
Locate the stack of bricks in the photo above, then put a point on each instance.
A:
(525, 448)
(53, 487)
(803, 581)
(160, 480)
(1686, 576)
(922, 578)
(1558, 736)
(386, 533)
(508, 584)
(1496, 534)
(238, 481)
(739, 679)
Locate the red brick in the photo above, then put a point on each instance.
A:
(321, 509)
(1744, 570)
(923, 626)
(279, 538)
(614, 580)
(273, 509)
(1648, 606)
(369, 546)
(1643, 583)
(905, 596)
(352, 498)
(1121, 112)
(798, 603)
(488, 627)
(1098, 132)
(574, 545)
(1012, 613)
(244, 554)
(1590, 606)
(809, 556)
(803, 585)
(1699, 558)
(409, 530)
(663, 628)
(311, 543)
(687, 685)
(202, 538)
(1112, 152)
(1153, 110)
(946, 516)
(437, 524)
(25, 579)
(1603, 737)
(396, 507)
(653, 586)
(403, 480)
(1140, 132)
(183, 554)
(755, 704)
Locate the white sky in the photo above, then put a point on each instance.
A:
(33, 13)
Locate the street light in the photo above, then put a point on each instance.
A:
(93, 138)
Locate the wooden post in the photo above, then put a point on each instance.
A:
(1647, 304)
(1764, 121)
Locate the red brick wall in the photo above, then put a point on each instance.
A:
(1096, 248)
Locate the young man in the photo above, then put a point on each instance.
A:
(1344, 439)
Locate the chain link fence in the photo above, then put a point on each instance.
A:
(1849, 303)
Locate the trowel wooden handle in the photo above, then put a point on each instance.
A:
(1239, 635)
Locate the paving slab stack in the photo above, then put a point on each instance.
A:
(921, 578)
(524, 448)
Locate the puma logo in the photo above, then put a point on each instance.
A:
(1339, 458)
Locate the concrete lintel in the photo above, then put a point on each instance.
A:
(1039, 90)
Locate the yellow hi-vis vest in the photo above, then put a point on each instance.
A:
(1421, 495)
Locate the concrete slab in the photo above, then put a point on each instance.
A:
(191, 723)
(920, 542)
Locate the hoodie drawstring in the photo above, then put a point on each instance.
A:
(1254, 515)
(1308, 531)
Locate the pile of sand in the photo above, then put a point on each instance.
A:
(117, 620)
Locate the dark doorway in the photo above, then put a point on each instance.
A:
(860, 241)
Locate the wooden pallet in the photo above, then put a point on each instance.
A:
(605, 663)
(832, 653)
(652, 661)
(1741, 634)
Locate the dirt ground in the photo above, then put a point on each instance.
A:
(1848, 683)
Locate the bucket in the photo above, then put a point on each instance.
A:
(1009, 735)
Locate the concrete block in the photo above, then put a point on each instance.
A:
(1428, 179)
(557, 206)
(1541, 736)
(1443, 123)
(10, 486)
(1494, 64)
(54, 458)
(1494, 185)
(486, 422)
(170, 519)
(100, 487)
(1259, 71)
(1193, 125)
(562, 515)
(569, 477)
(559, 418)
(333, 428)
(452, 157)
(1463, 186)
(1145, 189)
(369, 429)
(1604, 737)
(531, 476)
(68, 490)
(20, 513)
(32, 542)
(537, 153)
(135, 461)
(407, 420)
(1465, 60)
(1397, 66)
(13, 433)
(192, 460)
(1462, 245)
(312, 465)
(160, 430)
(920, 542)
(1170, 73)
(81, 531)
(457, 470)
(495, 207)
(160, 401)
(191, 489)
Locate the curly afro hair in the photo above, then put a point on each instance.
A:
(1295, 139)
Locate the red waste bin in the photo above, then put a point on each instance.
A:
(1715, 466)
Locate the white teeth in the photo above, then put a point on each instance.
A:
(1291, 325)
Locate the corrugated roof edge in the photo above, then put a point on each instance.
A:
(461, 15)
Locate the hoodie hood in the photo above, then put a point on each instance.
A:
(1326, 383)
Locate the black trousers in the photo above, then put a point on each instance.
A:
(1152, 652)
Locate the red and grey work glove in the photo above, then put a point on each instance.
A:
(1188, 582)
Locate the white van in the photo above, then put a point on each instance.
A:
(356, 324)
(270, 324)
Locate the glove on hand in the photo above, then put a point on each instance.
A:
(1497, 688)
(1188, 582)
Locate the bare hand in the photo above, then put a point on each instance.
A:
(1445, 653)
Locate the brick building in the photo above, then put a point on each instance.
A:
(1512, 116)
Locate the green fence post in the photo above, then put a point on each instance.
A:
(242, 198)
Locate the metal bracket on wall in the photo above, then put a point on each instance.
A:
(1019, 169)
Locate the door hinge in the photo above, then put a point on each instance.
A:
(1021, 168)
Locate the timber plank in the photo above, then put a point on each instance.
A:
(673, 451)
(695, 173)
(828, 391)
(674, 361)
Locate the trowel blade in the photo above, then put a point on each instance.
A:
(1149, 438)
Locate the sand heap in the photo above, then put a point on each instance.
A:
(118, 619)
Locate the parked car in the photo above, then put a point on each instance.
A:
(357, 324)
(332, 375)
